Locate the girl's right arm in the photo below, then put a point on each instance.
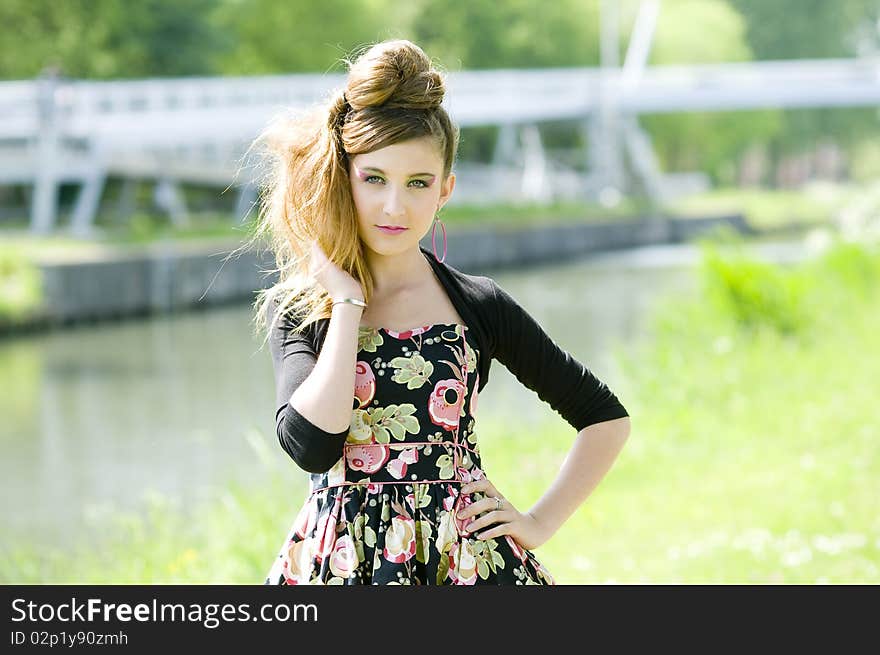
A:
(325, 396)
(315, 392)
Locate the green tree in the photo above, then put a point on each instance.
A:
(268, 36)
(703, 31)
(107, 38)
(814, 29)
(482, 34)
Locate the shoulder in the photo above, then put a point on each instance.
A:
(479, 288)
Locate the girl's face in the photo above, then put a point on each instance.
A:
(398, 186)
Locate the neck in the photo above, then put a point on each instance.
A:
(394, 273)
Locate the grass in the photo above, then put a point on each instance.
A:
(754, 455)
(768, 208)
(21, 291)
(763, 208)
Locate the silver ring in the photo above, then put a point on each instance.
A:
(498, 504)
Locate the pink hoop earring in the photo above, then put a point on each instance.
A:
(433, 245)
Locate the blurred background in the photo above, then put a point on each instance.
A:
(684, 193)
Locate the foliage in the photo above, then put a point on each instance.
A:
(514, 34)
(107, 38)
(753, 293)
(267, 36)
(705, 141)
(20, 286)
(795, 29)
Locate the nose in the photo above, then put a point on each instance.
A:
(394, 205)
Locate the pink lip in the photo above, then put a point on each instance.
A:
(392, 230)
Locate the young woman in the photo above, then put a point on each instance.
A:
(380, 350)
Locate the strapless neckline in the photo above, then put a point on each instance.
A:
(406, 334)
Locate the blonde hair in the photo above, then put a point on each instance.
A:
(393, 93)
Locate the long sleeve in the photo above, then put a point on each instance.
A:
(559, 379)
(293, 358)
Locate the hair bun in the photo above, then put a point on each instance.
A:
(394, 73)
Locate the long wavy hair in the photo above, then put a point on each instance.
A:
(393, 93)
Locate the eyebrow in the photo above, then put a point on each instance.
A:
(379, 170)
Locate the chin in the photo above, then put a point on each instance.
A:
(399, 246)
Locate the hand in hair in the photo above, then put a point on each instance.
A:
(338, 283)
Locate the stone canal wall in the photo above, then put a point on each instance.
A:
(169, 277)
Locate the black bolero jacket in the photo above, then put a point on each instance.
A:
(501, 329)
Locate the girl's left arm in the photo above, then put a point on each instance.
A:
(590, 458)
(594, 451)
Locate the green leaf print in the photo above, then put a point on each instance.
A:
(446, 465)
(356, 529)
(422, 497)
(381, 433)
(482, 568)
(471, 357)
(413, 371)
(423, 541)
(393, 421)
(443, 568)
(369, 339)
(369, 537)
(493, 557)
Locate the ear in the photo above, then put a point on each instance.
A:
(446, 190)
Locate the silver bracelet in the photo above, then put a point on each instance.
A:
(353, 301)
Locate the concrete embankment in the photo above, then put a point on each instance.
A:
(172, 276)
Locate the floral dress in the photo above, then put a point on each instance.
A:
(386, 513)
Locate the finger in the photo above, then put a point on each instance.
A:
(484, 485)
(480, 506)
(475, 485)
(488, 519)
(497, 531)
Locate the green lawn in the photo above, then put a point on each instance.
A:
(754, 456)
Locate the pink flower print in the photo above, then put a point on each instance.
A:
(464, 474)
(518, 552)
(407, 334)
(449, 501)
(344, 559)
(464, 501)
(397, 467)
(462, 564)
(473, 406)
(325, 533)
(445, 403)
(400, 540)
(296, 561)
(368, 459)
(300, 525)
(364, 383)
(410, 455)
(373, 488)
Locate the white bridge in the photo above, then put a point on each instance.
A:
(173, 131)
